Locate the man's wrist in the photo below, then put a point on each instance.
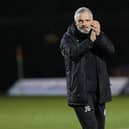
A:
(98, 33)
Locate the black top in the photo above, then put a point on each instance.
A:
(81, 59)
(92, 68)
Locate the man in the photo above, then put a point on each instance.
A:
(85, 48)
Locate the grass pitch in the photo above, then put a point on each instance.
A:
(53, 113)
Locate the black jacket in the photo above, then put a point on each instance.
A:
(78, 50)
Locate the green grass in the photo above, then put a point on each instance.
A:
(53, 113)
(118, 113)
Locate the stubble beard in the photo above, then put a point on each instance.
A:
(83, 31)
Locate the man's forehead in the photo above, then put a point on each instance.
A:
(85, 14)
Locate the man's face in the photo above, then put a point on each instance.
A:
(83, 22)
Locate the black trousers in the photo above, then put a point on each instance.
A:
(91, 116)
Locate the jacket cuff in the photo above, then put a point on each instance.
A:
(98, 38)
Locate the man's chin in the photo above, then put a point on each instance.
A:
(84, 31)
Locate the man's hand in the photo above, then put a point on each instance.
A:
(95, 26)
(93, 36)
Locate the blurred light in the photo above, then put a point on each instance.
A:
(51, 38)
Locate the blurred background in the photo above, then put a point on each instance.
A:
(37, 26)
(30, 33)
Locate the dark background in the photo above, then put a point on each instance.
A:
(38, 26)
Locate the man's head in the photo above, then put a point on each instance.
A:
(83, 18)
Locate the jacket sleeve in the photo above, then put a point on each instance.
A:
(73, 49)
(104, 44)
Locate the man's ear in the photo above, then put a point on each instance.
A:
(75, 23)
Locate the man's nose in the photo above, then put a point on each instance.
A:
(84, 23)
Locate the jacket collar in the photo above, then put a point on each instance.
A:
(72, 30)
